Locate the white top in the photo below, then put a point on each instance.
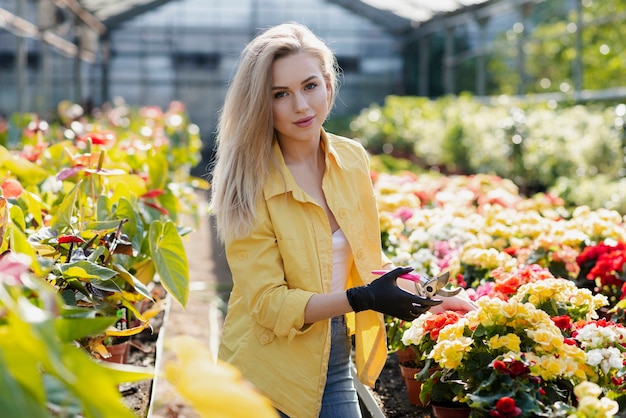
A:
(342, 260)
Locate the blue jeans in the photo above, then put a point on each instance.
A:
(340, 398)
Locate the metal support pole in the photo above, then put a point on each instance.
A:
(424, 65)
(578, 61)
(105, 45)
(481, 73)
(448, 64)
(525, 10)
(21, 65)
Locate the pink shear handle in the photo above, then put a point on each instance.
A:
(409, 276)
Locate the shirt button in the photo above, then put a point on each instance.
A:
(359, 254)
(242, 256)
(343, 213)
(265, 338)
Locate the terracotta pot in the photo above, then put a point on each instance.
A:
(461, 411)
(413, 387)
(406, 355)
(119, 352)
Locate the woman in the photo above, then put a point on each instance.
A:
(295, 208)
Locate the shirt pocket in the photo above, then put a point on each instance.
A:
(296, 256)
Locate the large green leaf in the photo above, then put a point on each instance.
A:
(33, 205)
(170, 259)
(63, 216)
(28, 172)
(17, 401)
(158, 172)
(133, 281)
(134, 227)
(71, 329)
(96, 383)
(88, 270)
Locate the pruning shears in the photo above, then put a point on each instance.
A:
(428, 286)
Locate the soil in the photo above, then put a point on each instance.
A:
(201, 318)
(391, 396)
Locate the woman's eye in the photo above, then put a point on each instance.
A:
(310, 86)
(279, 94)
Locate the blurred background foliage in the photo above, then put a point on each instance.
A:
(575, 151)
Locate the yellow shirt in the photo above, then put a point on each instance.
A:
(286, 259)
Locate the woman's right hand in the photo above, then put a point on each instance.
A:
(383, 295)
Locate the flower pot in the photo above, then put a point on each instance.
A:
(413, 387)
(456, 411)
(406, 355)
(119, 352)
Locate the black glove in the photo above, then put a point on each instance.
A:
(383, 295)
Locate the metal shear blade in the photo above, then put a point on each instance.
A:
(436, 286)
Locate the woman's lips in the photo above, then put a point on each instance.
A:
(304, 122)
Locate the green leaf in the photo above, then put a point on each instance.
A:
(133, 281)
(16, 400)
(84, 269)
(17, 217)
(71, 329)
(28, 172)
(103, 225)
(96, 386)
(63, 216)
(158, 172)
(33, 206)
(134, 227)
(60, 397)
(170, 259)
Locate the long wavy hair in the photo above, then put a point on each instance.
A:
(245, 132)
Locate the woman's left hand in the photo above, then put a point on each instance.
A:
(459, 303)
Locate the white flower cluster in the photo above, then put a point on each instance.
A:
(600, 344)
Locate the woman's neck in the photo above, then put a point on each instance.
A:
(302, 153)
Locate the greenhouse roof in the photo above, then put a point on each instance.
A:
(113, 13)
(397, 16)
(400, 16)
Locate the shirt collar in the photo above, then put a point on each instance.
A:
(281, 181)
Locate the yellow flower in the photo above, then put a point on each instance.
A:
(543, 337)
(509, 341)
(587, 389)
(550, 367)
(449, 354)
(591, 407)
(453, 331)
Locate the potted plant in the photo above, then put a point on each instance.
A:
(420, 338)
(44, 372)
(477, 353)
(94, 210)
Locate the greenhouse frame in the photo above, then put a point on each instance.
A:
(152, 52)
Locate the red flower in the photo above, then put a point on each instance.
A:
(436, 323)
(500, 366)
(608, 261)
(11, 188)
(569, 341)
(506, 406)
(563, 322)
(106, 138)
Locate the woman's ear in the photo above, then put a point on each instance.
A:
(329, 91)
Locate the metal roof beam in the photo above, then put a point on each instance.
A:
(114, 14)
(83, 14)
(396, 25)
(23, 28)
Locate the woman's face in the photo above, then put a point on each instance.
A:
(300, 97)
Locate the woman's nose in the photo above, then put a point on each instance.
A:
(300, 103)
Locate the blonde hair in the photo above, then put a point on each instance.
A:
(245, 132)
